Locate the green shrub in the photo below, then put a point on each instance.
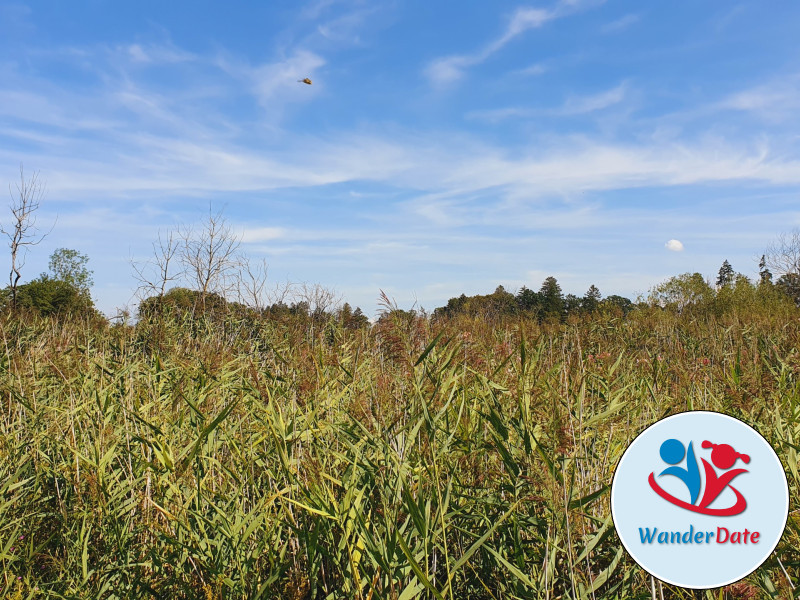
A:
(47, 296)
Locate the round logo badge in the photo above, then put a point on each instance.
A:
(699, 500)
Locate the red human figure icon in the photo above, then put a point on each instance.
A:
(724, 457)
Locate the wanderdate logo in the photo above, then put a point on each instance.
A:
(699, 499)
(723, 457)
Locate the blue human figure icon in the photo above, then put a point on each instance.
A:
(672, 452)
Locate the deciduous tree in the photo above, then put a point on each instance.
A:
(69, 266)
(624, 304)
(789, 283)
(682, 291)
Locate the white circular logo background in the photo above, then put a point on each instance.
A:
(699, 499)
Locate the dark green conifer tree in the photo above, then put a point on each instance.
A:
(591, 299)
(726, 275)
(552, 299)
(765, 275)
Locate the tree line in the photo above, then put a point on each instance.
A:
(549, 303)
(203, 270)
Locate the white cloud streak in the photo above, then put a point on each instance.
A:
(444, 71)
(254, 235)
(773, 101)
(449, 69)
(148, 162)
(573, 105)
(580, 105)
(620, 24)
(156, 54)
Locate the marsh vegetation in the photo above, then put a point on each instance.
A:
(242, 454)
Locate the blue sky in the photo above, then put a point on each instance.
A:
(444, 147)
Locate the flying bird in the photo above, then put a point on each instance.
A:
(306, 80)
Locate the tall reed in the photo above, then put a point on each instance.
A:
(247, 458)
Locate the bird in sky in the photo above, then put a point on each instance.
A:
(306, 80)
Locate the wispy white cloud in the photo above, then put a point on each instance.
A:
(346, 28)
(532, 70)
(129, 162)
(315, 9)
(729, 15)
(579, 105)
(40, 107)
(495, 115)
(620, 24)
(446, 70)
(165, 53)
(251, 235)
(573, 105)
(523, 19)
(773, 101)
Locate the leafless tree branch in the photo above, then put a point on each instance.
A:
(281, 293)
(155, 274)
(252, 282)
(211, 256)
(22, 233)
(783, 255)
(319, 298)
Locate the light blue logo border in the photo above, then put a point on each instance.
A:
(682, 557)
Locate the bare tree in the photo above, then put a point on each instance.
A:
(23, 231)
(281, 293)
(783, 255)
(211, 257)
(252, 282)
(155, 274)
(318, 298)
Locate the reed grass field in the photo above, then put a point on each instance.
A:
(459, 458)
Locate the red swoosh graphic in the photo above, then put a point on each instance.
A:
(737, 508)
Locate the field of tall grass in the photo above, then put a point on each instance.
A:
(248, 458)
